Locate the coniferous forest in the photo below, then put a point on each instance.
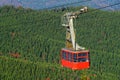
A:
(31, 40)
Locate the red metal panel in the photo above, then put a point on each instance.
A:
(75, 65)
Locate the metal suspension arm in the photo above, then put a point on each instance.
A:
(67, 21)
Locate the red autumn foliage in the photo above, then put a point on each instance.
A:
(88, 78)
(94, 75)
(15, 55)
(47, 78)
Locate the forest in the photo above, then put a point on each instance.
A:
(31, 40)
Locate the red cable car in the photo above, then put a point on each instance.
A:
(73, 56)
(75, 60)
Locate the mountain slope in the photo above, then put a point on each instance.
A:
(15, 69)
(37, 37)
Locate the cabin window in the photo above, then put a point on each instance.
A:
(69, 57)
(82, 54)
(82, 59)
(75, 57)
(64, 55)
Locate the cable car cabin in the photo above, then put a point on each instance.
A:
(75, 60)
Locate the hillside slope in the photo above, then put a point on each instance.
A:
(37, 36)
(17, 69)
